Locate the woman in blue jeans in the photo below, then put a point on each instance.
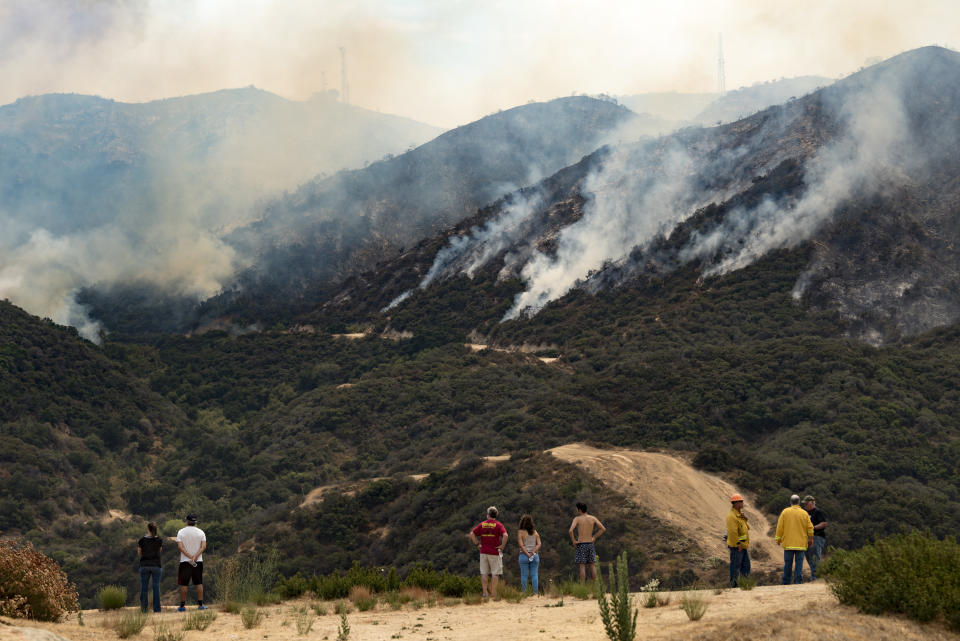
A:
(529, 553)
(148, 549)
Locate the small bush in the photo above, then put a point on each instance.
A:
(342, 607)
(509, 593)
(199, 620)
(319, 609)
(694, 605)
(650, 601)
(251, 617)
(112, 597)
(746, 582)
(912, 574)
(343, 630)
(361, 597)
(423, 577)
(304, 623)
(576, 589)
(293, 587)
(472, 598)
(33, 585)
(131, 623)
(231, 607)
(333, 586)
(165, 632)
(618, 614)
(246, 578)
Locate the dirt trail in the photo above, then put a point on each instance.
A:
(673, 491)
(805, 612)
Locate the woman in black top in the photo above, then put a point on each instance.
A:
(148, 549)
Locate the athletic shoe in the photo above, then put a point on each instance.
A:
(202, 607)
(181, 609)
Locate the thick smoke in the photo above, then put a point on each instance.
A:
(857, 164)
(627, 207)
(111, 193)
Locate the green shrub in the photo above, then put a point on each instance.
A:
(423, 577)
(912, 574)
(332, 586)
(618, 614)
(250, 617)
(509, 593)
(131, 623)
(162, 631)
(457, 586)
(246, 578)
(32, 585)
(694, 605)
(577, 590)
(343, 630)
(304, 623)
(199, 620)
(112, 597)
(746, 582)
(292, 587)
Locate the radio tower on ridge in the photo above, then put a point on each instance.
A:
(344, 86)
(721, 71)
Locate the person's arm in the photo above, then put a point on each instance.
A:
(203, 546)
(600, 529)
(182, 549)
(573, 526)
(503, 540)
(139, 551)
(536, 548)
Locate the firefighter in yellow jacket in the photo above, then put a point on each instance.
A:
(738, 540)
(795, 535)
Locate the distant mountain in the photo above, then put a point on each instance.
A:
(98, 191)
(863, 170)
(329, 228)
(746, 101)
(669, 106)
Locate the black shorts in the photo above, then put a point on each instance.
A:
(187, 572)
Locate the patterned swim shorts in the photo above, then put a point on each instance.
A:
(585, 553)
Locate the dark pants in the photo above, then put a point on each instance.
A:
(793, 558)
(739, 564)
(145, 574)
(814, 554)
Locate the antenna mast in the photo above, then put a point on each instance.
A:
(344, 87)
(721, 70)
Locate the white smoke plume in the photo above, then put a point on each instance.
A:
(859, 163)
(470, 252)
(627, 207)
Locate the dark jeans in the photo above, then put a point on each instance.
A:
(145, 574)
(814, 555)
(793, 558)
(739, 564)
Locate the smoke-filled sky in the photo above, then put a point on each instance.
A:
(446, 62)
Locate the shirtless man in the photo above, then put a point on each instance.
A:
(582, 536)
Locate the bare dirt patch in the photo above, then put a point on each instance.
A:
(673, 491)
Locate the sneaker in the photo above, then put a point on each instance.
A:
(202, 607)
(181, 609)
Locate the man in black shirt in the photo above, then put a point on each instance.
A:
(819, 520)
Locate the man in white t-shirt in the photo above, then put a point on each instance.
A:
(192, 542)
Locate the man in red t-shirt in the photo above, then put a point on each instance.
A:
(491, 537)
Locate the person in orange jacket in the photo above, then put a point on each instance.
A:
(738, 540)
(795, 535)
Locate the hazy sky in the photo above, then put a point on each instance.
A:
(446, 62)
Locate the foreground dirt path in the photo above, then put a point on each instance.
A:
(798, 613)
(676, 493)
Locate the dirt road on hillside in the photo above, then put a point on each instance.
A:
(674, 492)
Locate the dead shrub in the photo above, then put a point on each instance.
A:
(32, 585)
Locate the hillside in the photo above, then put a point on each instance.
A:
(96, 192)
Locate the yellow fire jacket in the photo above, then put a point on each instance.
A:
(738, 530)
(794, 528)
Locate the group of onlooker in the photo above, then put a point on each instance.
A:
(800, 531)
(490, 536)
(191, 542)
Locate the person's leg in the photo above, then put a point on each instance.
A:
(734, 565)
(200, 594)
(183, 595)
(798, 567)
(483, 584)
(493, 586)
(144, 578)
(524, 571)
(745, 564)
(534, 573)
(787, 563)
(157, 574)
(813, 556)
(583, 572)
